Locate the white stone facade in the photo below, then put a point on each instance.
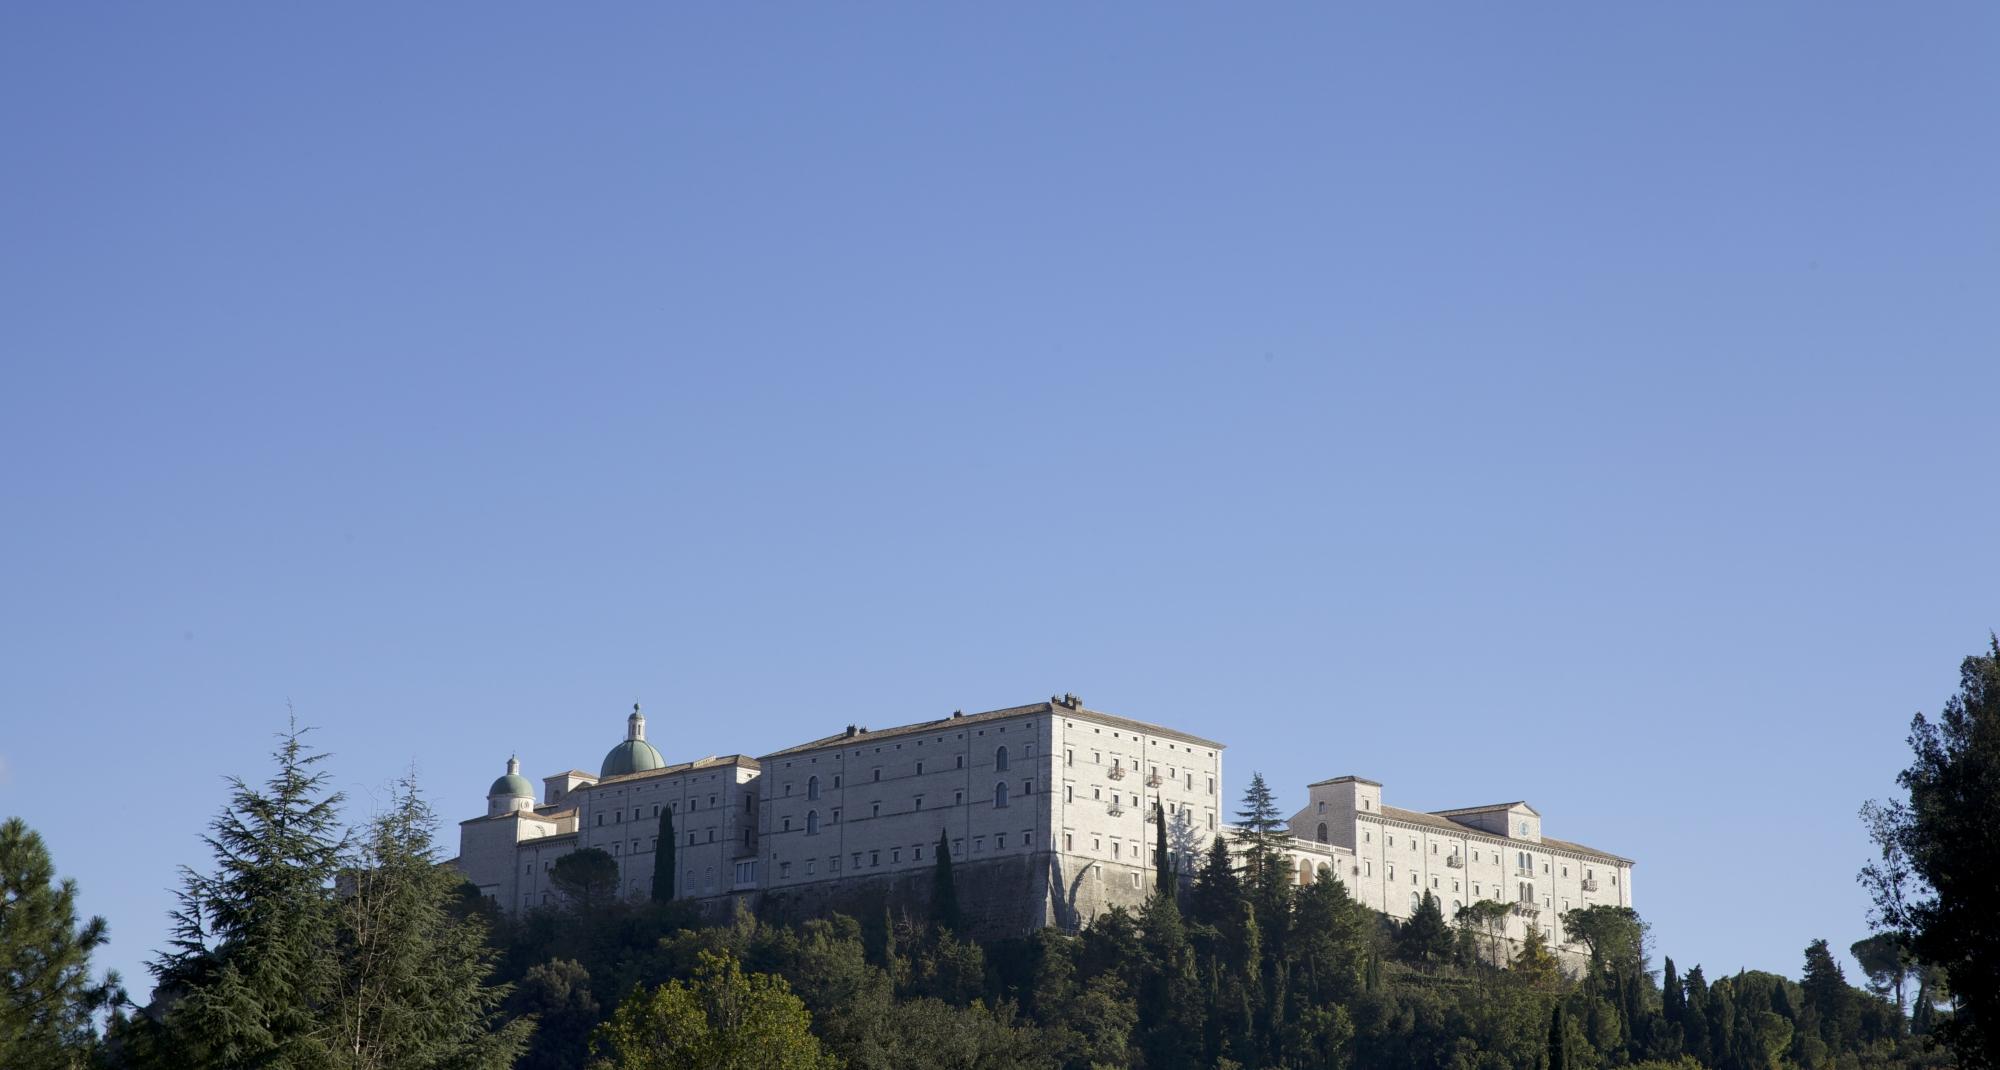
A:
(1388, 857)
(1060, 797)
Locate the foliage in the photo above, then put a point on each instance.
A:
(47, 995)
(1937, 882)
(944, 887)
(249, 968)
(663, 858)
(587, 879)
(412, 989)
(722, 1019)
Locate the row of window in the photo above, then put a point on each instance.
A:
(1001, 794)
(1001, 841)
(1118, 769)
(638, 812)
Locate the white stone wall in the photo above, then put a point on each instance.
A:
(1110, 775)
(1490, 856)
(714, 810)
(869, 805)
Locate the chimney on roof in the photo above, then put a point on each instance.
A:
(850, 731)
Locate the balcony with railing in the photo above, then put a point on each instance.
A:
(1590, 884)
(1455, 861)
(1527, 910)
(1117, 772)
(1116, 809)
(1153, 779)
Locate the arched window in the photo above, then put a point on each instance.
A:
(1322, 832)
(1000, 760)
(1305, 872)
(1416, 901)
(812, 787)
(1000, 794)
(812, 822)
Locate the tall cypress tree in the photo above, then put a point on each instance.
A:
(1163, 880)
(663, 858)
(944, 888)
(1559, 1054)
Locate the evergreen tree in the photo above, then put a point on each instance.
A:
(47, 994)
(413, 992)
(1425, 939)
(1163, 879)
(1950, 836)
(587, 879)
(1828, 996)
(944, 888)
(663, 858)
(1534, 964)
(249, 970)
(1558, 1049)
(1217, 889)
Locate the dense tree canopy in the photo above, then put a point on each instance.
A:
(47, 993)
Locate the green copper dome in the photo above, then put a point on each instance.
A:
(631, 756)
(513, 784)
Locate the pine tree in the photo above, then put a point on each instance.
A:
(944, 888)
(663, 858)
(1267, 876)
(1828, 996)
(1217, 889)
(1163, 879)
(413, 992)
(250, 969)
(1950, 839)
(47, 995)
(1425, 939)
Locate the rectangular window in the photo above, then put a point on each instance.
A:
(1069, 793)
(919, 804)
(1368, 869)
(836, 815)
(958, 798)
(784, 869)
(1027, 838)
(958, 848)
(999, 840)
(812, 866)
(857, 860)
(1027, 787)
(1097, 793)
(874, 858)
(959, 763)
(874, 809)
(920, 769)
(1392, 872)
(878, 774)
(895, 854)
(1069, 756)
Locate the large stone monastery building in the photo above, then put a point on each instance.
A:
(1048, 811)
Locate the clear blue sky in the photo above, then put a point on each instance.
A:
(1592, 404)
